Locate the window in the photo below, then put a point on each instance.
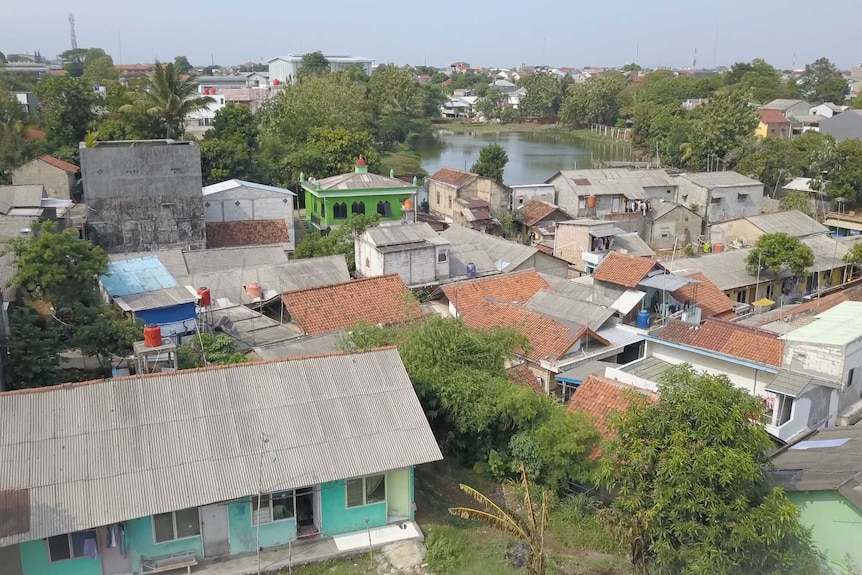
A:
(69, 546)
(450, 203)
(438, 197)
(850, 376)
(273, 507)
(176, 525)
(357, 208)
(339, 211)
(665, 236)
(715, 200)
(365, 490)
(384, 209)
(442, 257)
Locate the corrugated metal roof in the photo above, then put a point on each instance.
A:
(666, 282)
(792, 383)
(649, 368)
(136, 276)
(569, 310)
(155, 299)
(182, 263)
(627, 302)
(234, 184)
(618, 334)
(466, 242)
(799, 185)
(310, 345)
(792, 222)
(400, 234)
(119, 449)
(840, 325)
(632, 244)
(357, 181)
(716, 179)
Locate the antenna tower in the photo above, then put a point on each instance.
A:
(72, 31)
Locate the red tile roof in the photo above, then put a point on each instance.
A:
(453, 177)
(382, 299)
(548, 339)
(246, 233)
(706, 294)
(624, 270)
(728, 338)
(535, 211)
(813, 307)
(600, 397)
(771, 117)
(512, 288)
(523, 375)
(62, 164)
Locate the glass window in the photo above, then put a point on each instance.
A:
(273, 507)
(357, 208)
(366, 490)
(176, 525)
(442, 256)
(188, 523)
(384, 209)
(339, 211)
(163, 527)
(59, 548)
(355, 492)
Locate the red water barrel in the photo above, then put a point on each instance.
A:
(254, 291)
(204, 294)
(591, 201)
(717, 247)
(152, 336)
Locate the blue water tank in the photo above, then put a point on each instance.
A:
(471, 270)
(643, 319)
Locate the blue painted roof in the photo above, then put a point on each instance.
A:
(135, 276)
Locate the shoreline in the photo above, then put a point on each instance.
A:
(460, 127)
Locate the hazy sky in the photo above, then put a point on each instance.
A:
(483, 32)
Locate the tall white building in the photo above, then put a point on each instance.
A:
(284, 68)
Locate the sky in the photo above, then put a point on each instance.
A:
(499, 33)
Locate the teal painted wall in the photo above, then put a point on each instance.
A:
(34, 561)
(412, 492)
(337, 519)
(142, 544)
(243, 534)
(836, 524)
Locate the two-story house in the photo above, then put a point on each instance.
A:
(447, 185)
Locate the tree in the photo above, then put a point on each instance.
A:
(822, 82)
(841, 167)
(692, 492)
(399, 104)
(492, 103)
(543, 96)
(631, 67)
(718, 127)
(853, 256)
(230, 149)
(182, 64)
(98, 67)
(339, 241)
(774, 252)
(32, 353)
(770, 160)
(15, 147)
(101, 331)
(168, 97)
(337, 150)
(796, 201)
(73, 61)
(56, 266)
(208, 349)
(596, 101)
(313, 64)
(67, 107)
(491, 163)
(529, 527)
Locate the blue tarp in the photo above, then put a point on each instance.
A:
(137, 276)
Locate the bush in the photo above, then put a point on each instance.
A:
(446, 547)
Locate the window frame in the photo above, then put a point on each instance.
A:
(176, 533)
(337, 213)
(353, 209)
(365, 502)
(271, 513)
(71, 548)
(383, 207)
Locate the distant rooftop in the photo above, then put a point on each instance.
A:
(840, 326)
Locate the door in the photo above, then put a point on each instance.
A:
(113, 562)
(398, 495)
(10, 559)
(214, 530)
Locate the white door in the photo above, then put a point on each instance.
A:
(214, 530)
(113, 562)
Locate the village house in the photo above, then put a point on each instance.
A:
(330, 201)
(819, 202)
(539, 220)
(473, 253)
(671, 226)
(447, 185)
(844, 126)
(613, 189)
(600, 398)
(720, 196)
(789, 108)
(239, 213)
(746, 231)
(585, 242)
(821, 476)
(59, 177)
(523, 193)
(413, 251)
(474, 213)
(24, 204)
(285, 68)
(772, 125)
(826, 110)
(273, 466)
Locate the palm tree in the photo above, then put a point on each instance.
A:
(169, 96)
(528, 527)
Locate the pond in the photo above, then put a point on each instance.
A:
(533, 156)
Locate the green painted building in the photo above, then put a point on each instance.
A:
(204, 465)
(330, 201)
(822, 475)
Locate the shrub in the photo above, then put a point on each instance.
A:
(446, 547)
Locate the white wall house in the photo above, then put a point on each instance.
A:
(413, 251)
(201, 120)
(284, 68)
(238, 200)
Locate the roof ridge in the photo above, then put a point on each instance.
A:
(351, 281)
(736, 325)
(74, 384)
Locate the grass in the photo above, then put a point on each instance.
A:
(403, 162)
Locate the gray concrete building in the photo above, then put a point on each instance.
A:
(143, 195)
(59, 177)
(845, 126)
(720, 196)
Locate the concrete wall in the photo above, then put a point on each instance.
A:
(369, 262)
(835, 523)
(336, 518)
(441, 197)
(543, 263)
(724, 203)
(59, 183)
(142, 543)
(416, 267)
(751, 380)
(243, 533)
(570, 243)
(733, 230)
(523, 194)
(253, 205)
(144, 195)
(322, 206)
(35, 561)
(678, 227)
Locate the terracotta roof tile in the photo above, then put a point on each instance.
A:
(624, 270)
(600, 397)
(813, 307)
(513, 288)
(522, 375)
(383, 299)
(771, 117)
(706, 294)
(246, 233)
(728, 338)
(549, 340)
(453, 177)
(535, 211)
(62, 164)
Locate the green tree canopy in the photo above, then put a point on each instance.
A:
(339, 241)
(182, 64)
(543, 97)
(67, 107)
(595, 101)
(718, 127)
(853, 256)
(32, 353)
(841, 170)
(98, 67)
(823, 82)
(313, 64)
(15, 147)
(796, 200)
(491, 163)
(692, 493)
(101, 331)
(208, 349)
(166, 95)
(774, 252)
(73, 61)
(231, 148)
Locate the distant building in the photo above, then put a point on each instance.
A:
(720, 196)
(789, 107)
(585, 243)
(523, 193)
(143, 195)
(844, 126)
(285, 68)
(413, 251)
(28, 100)
(772, 125)
(58, 176)
(128, 71)
(669, 225)
(827, 110)
(236, 203)
(447, 185)
(459, 66)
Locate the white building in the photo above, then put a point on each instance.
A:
(241, 201)
(201, 120)
(284, 68)
(413, 251)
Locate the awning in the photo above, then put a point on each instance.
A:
(765, 302)
(628, 301)
(666, 282)
(843, 224)
(605, 232)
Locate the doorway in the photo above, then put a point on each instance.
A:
(306, 525)
(214, 530)
(113, 562)
(398, 495)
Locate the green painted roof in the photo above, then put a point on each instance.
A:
(840, 325)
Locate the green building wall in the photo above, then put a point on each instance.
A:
(142, 543)
(34, 561)
(322, 206)
(243, 533)
(336, 518)
(835, 523)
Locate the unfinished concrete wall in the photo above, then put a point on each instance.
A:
(144, 195)
(60, 184)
